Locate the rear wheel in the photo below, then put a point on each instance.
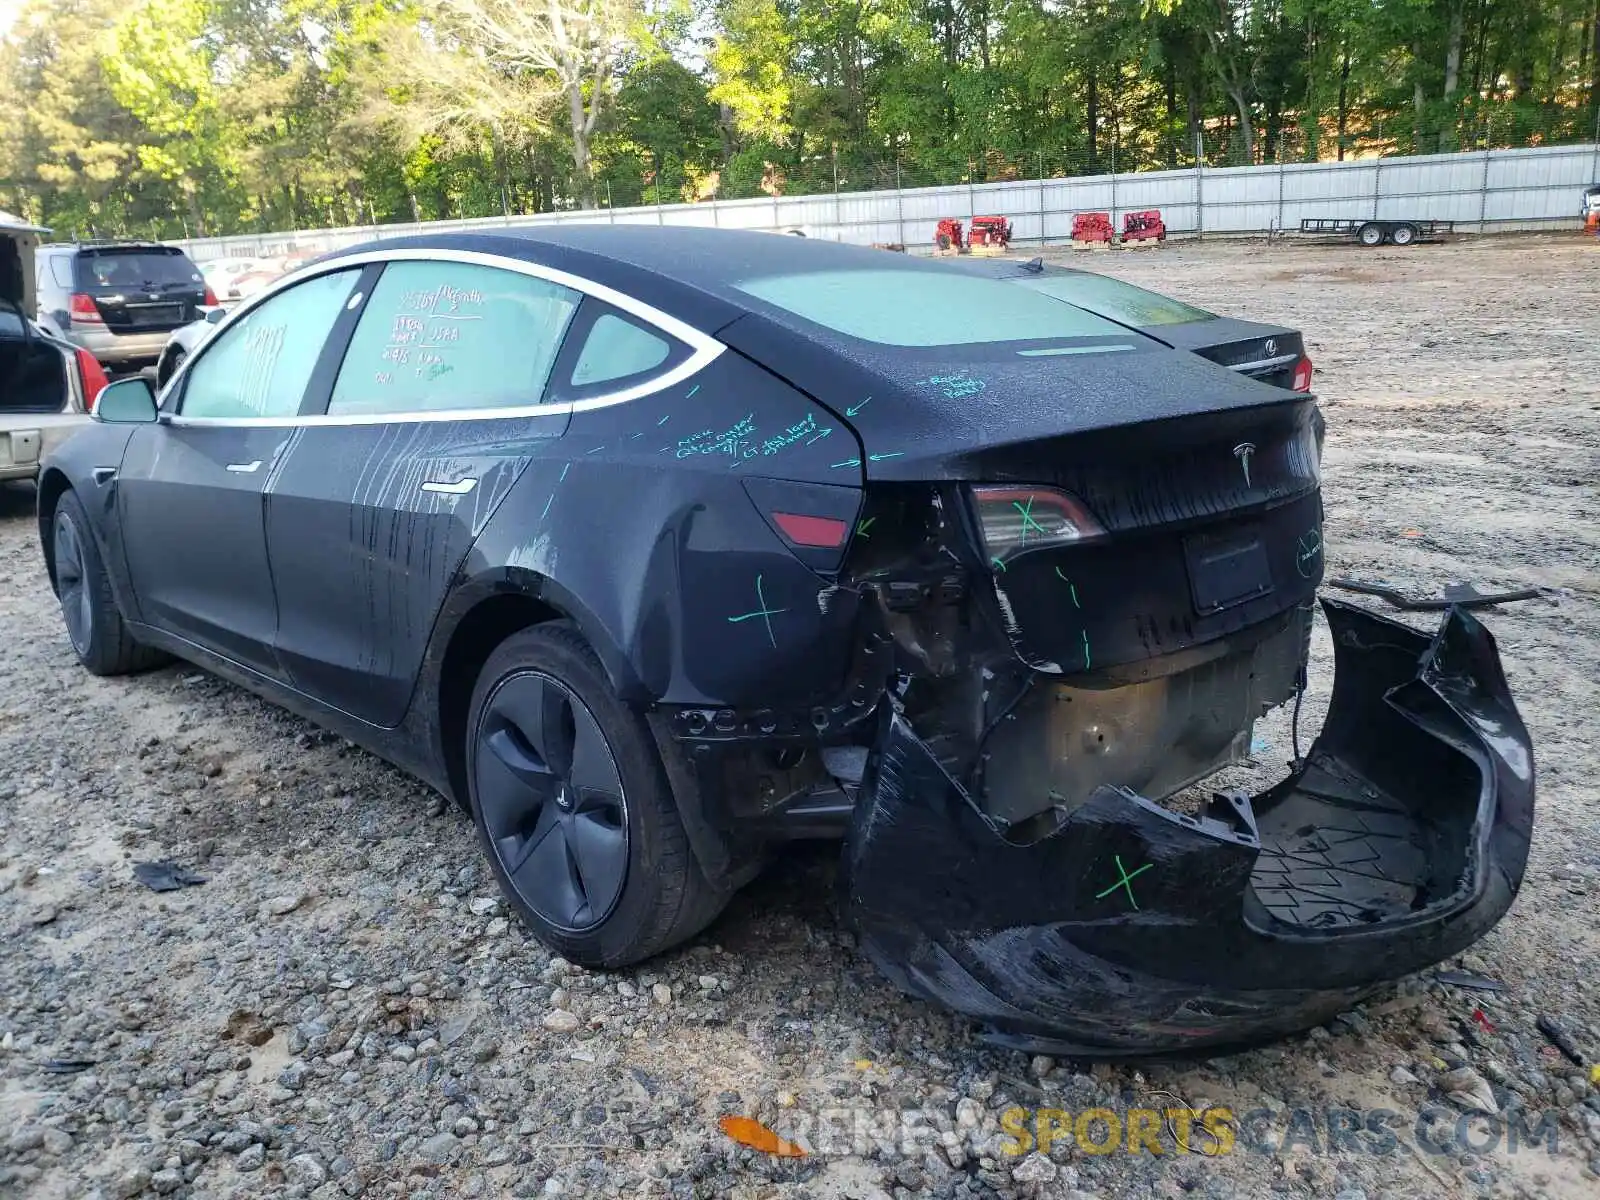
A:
(1370, 234)
(574, 809)
(1403, 235)
(95, 627)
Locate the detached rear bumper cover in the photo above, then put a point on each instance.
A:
(1131, 929)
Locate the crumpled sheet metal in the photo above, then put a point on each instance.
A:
(1132, 930)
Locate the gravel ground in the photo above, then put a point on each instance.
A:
(344, 1009)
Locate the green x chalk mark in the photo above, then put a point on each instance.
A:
(766, 614)
(1027, 518)
(1125, 883)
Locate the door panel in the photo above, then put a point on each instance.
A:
(190, 500)
(376, 506)
(366, 526)
(191, 486)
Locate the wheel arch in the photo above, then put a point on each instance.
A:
(479, 616)
(53, 484)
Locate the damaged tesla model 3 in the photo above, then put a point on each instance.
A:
(657, 548)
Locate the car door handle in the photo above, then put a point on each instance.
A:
(459, 488)
(244, 468)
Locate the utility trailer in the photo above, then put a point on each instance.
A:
(1372, 232)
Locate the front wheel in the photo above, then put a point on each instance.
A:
(574, 809)
(1370, 234)
(169, 366)
(95, 627)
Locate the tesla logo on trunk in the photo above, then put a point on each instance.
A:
(1242, 452)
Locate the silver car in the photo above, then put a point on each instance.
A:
(118, 300)
(47, 385)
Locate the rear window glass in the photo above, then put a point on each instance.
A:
(900, 307)
(1116, 300)
(61, 270)
(134, 268)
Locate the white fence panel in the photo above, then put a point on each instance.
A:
(1476, 189)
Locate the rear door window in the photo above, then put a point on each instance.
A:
(452, 337)
(61, 270)
(261, 365)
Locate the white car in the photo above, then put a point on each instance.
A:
(183, 342)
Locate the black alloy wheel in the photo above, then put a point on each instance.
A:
(552, 801)
(571, 795)
(99, 636)
(73, 587)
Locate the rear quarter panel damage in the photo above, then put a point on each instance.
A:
(640, 526)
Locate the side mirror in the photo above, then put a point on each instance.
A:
(126, 402)
(214, 315)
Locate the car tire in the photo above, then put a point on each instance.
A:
(95, 628)
(573, 806)
(1370, 234)
(1403, 235)
(169, 366)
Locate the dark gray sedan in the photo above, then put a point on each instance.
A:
(657, 548)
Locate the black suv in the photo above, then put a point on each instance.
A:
(118, 300)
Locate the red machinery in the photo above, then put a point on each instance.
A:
(948, 237)
(991, 232)
(1092, 227)
(1142, 226)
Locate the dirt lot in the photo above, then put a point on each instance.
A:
(343, 1009)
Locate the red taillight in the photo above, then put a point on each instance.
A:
(823, 532)
(210, 297)
(1302, 375)
(93, 377)
(83, 311)
(1017, 519)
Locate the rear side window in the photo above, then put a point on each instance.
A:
(904, 306)
(261, 365)
(115, 269)
(617, 348)
(444, 336)
(61, 270)
(1117, 300)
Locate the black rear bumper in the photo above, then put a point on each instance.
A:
(1130, 929)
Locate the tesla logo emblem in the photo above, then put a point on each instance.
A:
(1242, 452)
(1271, 347)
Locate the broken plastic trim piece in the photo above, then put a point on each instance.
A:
(1134, 930)
(1456, 595)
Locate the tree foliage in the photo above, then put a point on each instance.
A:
(175, 117)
